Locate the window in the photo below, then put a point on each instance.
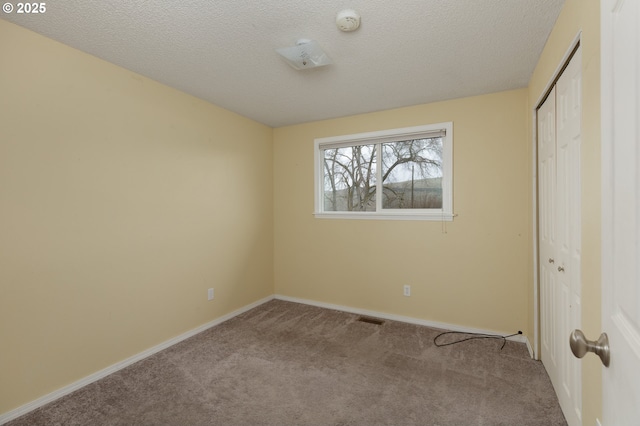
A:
(392, 174)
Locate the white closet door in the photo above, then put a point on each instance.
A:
(568, 246)
(559, 124)
(546, 227)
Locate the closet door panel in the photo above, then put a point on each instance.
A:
(559, 174)
(568, 146)
(547, 231)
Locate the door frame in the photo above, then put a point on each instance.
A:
(535, 214)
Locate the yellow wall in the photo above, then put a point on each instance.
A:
(113, 221)
(474, 275)
(582, 15)
(121, 202)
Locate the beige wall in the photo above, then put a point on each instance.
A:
(121, 202)
(576, 16)
(474, 275)
(113, 223)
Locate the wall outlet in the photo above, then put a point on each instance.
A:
(210, 294)
(406, 290)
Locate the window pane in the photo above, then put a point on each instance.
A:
(412, 174)
(350, 178)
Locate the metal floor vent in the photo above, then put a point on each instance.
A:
(370, 320)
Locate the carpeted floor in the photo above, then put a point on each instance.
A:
(284, 363)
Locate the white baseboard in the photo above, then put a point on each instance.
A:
(30, 406)
(433, 324)
(529, 348)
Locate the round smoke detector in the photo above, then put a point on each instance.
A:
(348, 20)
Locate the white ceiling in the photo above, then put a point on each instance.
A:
(406, 52)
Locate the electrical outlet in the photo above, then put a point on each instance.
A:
(407, 290)
(210, 294)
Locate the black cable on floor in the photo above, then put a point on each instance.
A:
(474, 336)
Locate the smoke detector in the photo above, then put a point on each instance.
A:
(348, 20)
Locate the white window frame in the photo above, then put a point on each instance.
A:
(382, 136)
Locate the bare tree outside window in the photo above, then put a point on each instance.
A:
(392, 174)
(412, 174)
(350, 178)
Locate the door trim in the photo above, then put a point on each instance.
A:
(534, 147)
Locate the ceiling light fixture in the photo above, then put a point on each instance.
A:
(304, 55)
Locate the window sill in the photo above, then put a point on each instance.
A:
(435, 216)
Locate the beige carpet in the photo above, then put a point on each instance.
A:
(284, 363)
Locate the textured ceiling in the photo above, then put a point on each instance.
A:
(406, 52)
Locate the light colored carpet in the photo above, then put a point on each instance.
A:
(284, 363)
